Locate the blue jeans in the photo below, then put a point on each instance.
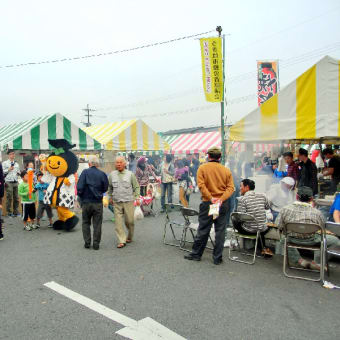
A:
(166, 187)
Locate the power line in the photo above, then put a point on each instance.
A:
(107, 53)
(284, 63)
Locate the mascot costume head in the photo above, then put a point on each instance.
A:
(61, 165)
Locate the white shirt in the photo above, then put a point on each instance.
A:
(279, 198)
(11, 175)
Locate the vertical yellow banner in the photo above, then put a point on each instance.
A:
(212, 68)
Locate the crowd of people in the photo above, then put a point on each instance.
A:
(289, 199)
(124, 188)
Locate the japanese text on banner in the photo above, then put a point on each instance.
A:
(212, 68)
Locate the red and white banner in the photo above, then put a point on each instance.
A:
(267, 80)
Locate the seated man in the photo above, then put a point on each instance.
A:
(256, 206)
(281, 194)
(302, 211)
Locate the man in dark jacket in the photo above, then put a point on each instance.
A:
(308, 172)
(92, 184)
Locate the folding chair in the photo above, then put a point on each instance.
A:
(237, 217)
(303, 229)
(192, 227)
(335, 251)
(170, 223)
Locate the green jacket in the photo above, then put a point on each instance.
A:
(23, 193)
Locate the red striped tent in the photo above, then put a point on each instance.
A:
(190, 143)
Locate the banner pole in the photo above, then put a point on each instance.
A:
(219, 30)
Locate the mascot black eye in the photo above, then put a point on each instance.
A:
(58, 163)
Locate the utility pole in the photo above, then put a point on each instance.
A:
(219, 30)
(88, 115)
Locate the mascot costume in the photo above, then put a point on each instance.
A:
(61, 165)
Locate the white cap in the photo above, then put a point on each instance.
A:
(288, 180)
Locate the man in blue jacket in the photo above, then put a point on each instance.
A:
(92, 184)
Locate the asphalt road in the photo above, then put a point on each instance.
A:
(197, 300)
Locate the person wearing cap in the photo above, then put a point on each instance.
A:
(92, 185)
(216, 185)
(333, 168)
(302, 211)
(308, 172)
(281, 194)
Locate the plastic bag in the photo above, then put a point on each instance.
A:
(138, 214)
(214, 210)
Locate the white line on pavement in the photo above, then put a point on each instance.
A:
(95, 306)
(145, 329)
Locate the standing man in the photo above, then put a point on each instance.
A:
(308, 172)
(167, 176)
(333, 168)
(293, 168)
(11, 171)
(216, 185)
(123, 191)
(92, 184)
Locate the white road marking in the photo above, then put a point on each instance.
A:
(145, 329)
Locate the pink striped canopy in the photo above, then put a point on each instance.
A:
(195, 142)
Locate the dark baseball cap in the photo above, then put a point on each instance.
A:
(305, 191)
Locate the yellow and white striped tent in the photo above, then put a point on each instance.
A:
(306, 109)
(127, 135)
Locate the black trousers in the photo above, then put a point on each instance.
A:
(205, 224)
(241, 230)
(94, 212)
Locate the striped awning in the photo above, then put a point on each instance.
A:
(34, 134)
(194, 142)
(307, 109)
(128, 135)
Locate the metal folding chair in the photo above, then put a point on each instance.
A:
(334, 251)
(237, 217)
(171, 223)
(303, 229)
(192, 228)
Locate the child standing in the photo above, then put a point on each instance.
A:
(41, 188)
(27, 202)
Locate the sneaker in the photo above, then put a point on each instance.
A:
(1, 237)
(87, 245)
(27, 227)
(35, 226)
(95, 246)
(50, 225)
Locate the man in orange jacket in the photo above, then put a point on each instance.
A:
(216, 185)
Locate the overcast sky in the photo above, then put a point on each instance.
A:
(155, 80)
